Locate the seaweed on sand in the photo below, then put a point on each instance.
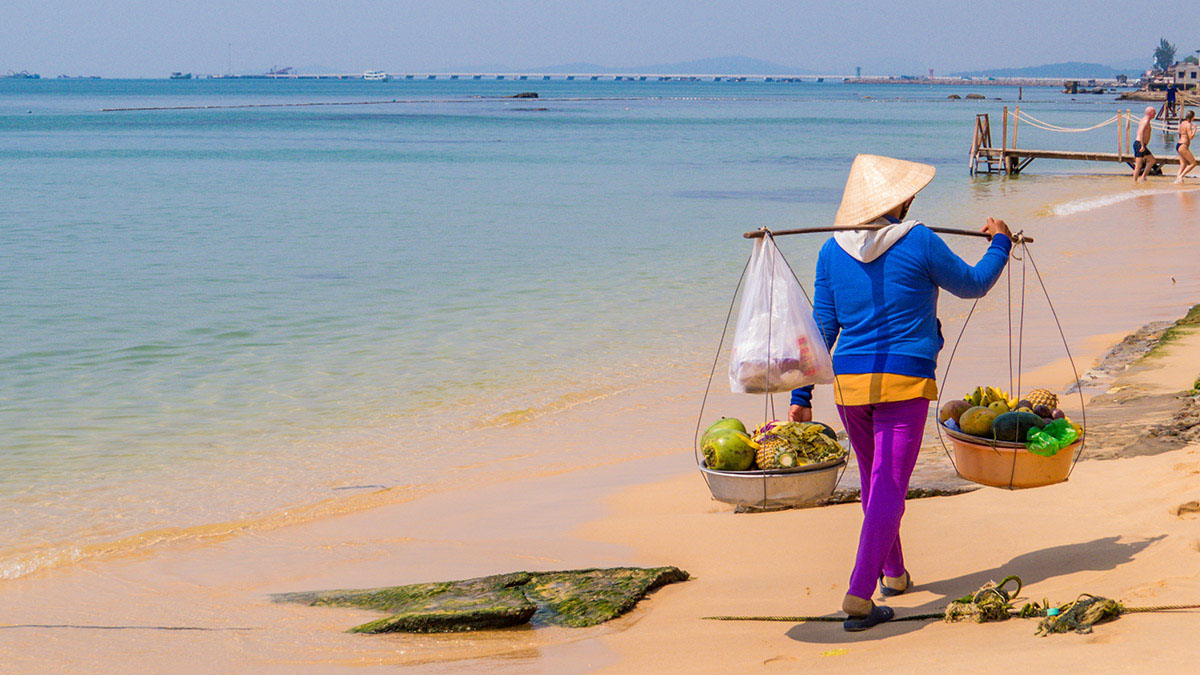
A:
(576, 598)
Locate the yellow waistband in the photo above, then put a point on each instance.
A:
(868, 388)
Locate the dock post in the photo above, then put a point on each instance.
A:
(1128, 143)
(1120, 139)
(1016, 121)
(1004, 142)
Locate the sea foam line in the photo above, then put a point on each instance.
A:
(1091, 203)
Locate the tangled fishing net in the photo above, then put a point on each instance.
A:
(992, 602)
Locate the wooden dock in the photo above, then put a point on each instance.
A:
(1011, 160)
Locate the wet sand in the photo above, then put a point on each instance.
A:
(202, 601)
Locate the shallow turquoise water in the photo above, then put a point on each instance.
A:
(190, 295)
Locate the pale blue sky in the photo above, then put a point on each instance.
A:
(153, 37)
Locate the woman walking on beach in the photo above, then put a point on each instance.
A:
(1187, 131)
(876, 295)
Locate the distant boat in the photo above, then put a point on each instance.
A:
(477, 77)
(820, 79)
(595, 77)
(181, 76)
(376, 76)
(570, 77)
(23, 75)
(454, 77)
(408, 77)
(545, 77)
(431, 77)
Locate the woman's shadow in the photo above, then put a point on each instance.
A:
(1097, 555)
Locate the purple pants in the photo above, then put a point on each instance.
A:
(886, 438)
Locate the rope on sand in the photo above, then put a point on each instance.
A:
(993, 603)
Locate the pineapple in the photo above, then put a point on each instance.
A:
(1042, 397)
(776, 453)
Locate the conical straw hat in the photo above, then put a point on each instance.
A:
(877, 185)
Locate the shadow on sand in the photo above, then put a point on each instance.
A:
(1093, 556)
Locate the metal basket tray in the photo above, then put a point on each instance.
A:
(780, 487)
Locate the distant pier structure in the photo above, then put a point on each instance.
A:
(1010, 159)
(290, 74)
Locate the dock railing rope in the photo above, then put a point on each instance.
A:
(1030, 119)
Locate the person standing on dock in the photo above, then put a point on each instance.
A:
(1143, 159)
(1187, 131)
(876, 294)
(1168, 110)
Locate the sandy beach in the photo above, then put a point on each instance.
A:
(1119, 528)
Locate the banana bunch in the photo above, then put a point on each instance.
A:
(985, 396)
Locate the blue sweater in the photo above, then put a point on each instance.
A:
(883, 314)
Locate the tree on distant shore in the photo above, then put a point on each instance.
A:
(1192, 60)
(1164, 55)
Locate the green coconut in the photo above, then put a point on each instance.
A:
(729, 450)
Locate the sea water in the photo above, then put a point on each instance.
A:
(208, 314)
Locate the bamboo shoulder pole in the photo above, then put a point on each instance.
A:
(756, 234)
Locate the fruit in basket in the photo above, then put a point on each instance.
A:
(1042, 410)
(776, 453)
(977, 421)
(1024, 403)
(812, 441)
(827, 430)
(952, 410)
(999, 407)
(1042, 397)
(724, 423)
(1058, 414)
(1014, 427)
(729, 450)
(986, 396)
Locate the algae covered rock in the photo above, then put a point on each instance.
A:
(581, 598)
(576, 598)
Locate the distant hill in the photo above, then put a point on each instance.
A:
(1068, 69)
(1134, 66)
(726, 65)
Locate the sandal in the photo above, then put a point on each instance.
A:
(878, 615)
(888, 592)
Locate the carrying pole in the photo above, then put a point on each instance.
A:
(755, 234)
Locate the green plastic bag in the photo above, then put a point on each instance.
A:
(1051, 438)
(1062, 431)
(1041, 443)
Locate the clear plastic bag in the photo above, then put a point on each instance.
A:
(777, 346)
